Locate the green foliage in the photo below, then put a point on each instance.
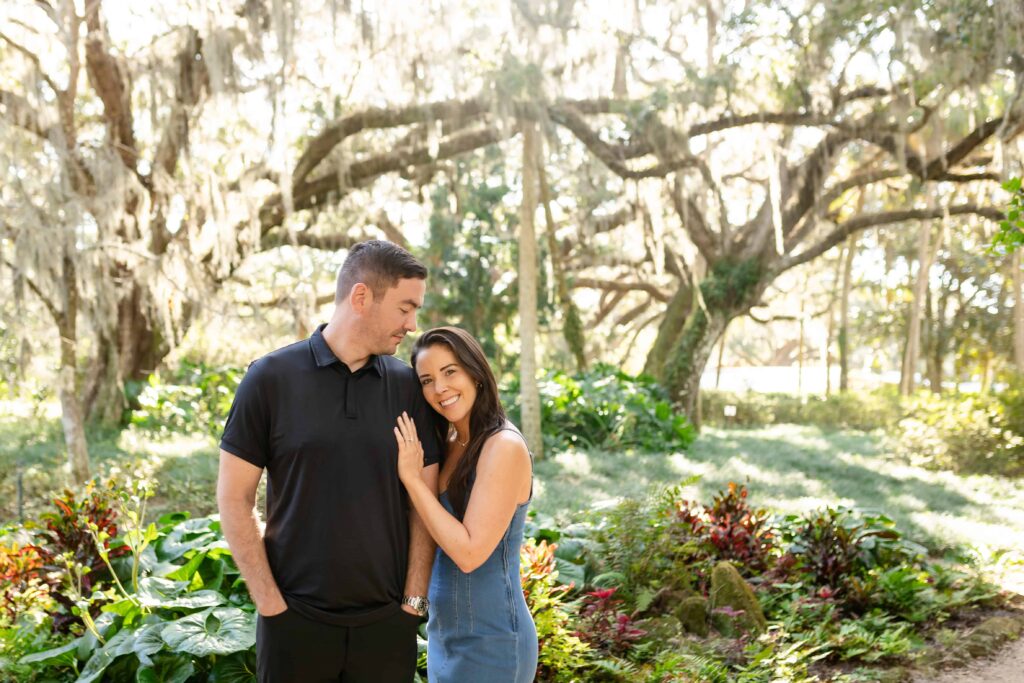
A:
(968, 433)
(170, 606)
(838, 549)
(71, 555)
(562, 653)
(1010, 235)
(604, 625)
(847, 410)
(731, 283)
(605, 408)
(471, 264)
(196, 398)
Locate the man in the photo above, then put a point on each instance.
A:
(340, 575)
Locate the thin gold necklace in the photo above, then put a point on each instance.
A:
(455, 438)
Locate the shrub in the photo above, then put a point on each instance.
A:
(168, 606)
(73, 562)
(849, 410)
(737, 531)
(604, 625)
(843, 553)
(964, 434)
(561, 652)
(22, 584)
(605, 408)
(195, 398)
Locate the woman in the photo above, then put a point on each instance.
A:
(480, 628)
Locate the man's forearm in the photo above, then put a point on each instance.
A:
(242, 532)
(421, 544)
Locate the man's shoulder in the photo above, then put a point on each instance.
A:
(283, 360)
(397, 370)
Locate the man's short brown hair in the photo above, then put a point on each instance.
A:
(379, 265)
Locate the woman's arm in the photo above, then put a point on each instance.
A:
(502, 472)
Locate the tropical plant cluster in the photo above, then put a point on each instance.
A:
(605, 408)
(94, 592)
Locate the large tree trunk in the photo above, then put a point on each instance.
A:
(529, 399)
(72, 416)
(689, 357)
(671, 327)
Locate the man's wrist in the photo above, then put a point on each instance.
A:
(418, 602)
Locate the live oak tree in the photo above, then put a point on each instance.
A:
(137, 181)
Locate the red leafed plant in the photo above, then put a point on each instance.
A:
(21, 583)
(728, 529)
(604, 625)
(737, 531)
(66, 540)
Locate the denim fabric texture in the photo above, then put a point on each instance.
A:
(480, 629)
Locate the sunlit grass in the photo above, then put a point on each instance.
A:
(795, 469)
(787, 469)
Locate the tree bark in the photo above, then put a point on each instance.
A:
(1017, 275)
(72, 416)
(926, 251)
(689, 357)
(844, 315)
(529, 397)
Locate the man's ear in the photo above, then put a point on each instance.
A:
(360, 298)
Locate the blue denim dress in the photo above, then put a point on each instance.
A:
(480, 629)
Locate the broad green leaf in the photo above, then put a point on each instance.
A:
(185, 572)
(120, 644)
(147, 641)
(52, 656)
(169, 669)
(155, 591)
(217, 631)
(237, 668)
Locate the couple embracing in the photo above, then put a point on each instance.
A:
(359, 546)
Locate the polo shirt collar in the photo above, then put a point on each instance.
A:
(324, 357)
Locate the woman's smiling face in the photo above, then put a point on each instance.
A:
(448, 388)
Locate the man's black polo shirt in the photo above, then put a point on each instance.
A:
(337, 533)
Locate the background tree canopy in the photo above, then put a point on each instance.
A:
(166, 166)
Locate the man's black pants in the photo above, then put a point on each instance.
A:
(290, 647)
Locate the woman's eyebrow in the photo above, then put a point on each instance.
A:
(427, 374)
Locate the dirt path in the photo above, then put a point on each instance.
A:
(1006, 666)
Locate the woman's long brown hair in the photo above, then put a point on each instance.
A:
(486, 416)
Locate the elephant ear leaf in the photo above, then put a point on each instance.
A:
(159, 592)
(238, 668)
(166, 669)
(217, 631)
(120, 644)
(65, 655)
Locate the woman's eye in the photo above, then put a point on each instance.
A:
(425, 382)
(450, 371)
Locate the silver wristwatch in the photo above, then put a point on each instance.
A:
(418, 603)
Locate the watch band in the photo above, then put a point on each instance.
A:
(418, 603)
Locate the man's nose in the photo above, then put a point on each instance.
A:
(410, 324)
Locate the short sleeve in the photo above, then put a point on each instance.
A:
(425, 419)
(247, 430)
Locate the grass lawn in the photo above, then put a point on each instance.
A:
(791, 468)
(787, 468)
